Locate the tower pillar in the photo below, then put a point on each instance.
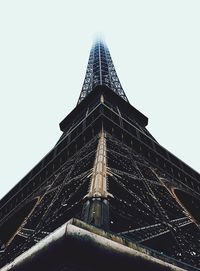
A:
(96, 208)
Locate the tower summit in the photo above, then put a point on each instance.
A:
(107, 196)
(101, 71)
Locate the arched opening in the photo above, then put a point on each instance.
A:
(189, 203)
(11, 226)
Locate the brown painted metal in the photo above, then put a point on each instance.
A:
(96, 208)
(98, 185)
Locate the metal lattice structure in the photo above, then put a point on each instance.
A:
(109, 172)
(101, 71)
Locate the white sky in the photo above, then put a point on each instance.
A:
(44, 49)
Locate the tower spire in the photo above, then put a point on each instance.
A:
(101, 71)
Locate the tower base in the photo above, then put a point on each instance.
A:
(77, 246)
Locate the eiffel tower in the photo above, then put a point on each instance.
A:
(107, 196)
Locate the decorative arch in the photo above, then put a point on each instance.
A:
(12, 225)
(190, 204)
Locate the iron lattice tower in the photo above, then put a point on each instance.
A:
(101, 71)
(108, 171)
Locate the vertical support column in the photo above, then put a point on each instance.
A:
(96, 208)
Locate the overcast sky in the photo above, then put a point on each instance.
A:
(44, 49)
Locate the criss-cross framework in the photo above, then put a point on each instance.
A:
(101, 71)
(108, 171)
(144, 208)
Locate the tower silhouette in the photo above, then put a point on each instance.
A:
(107, 187)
